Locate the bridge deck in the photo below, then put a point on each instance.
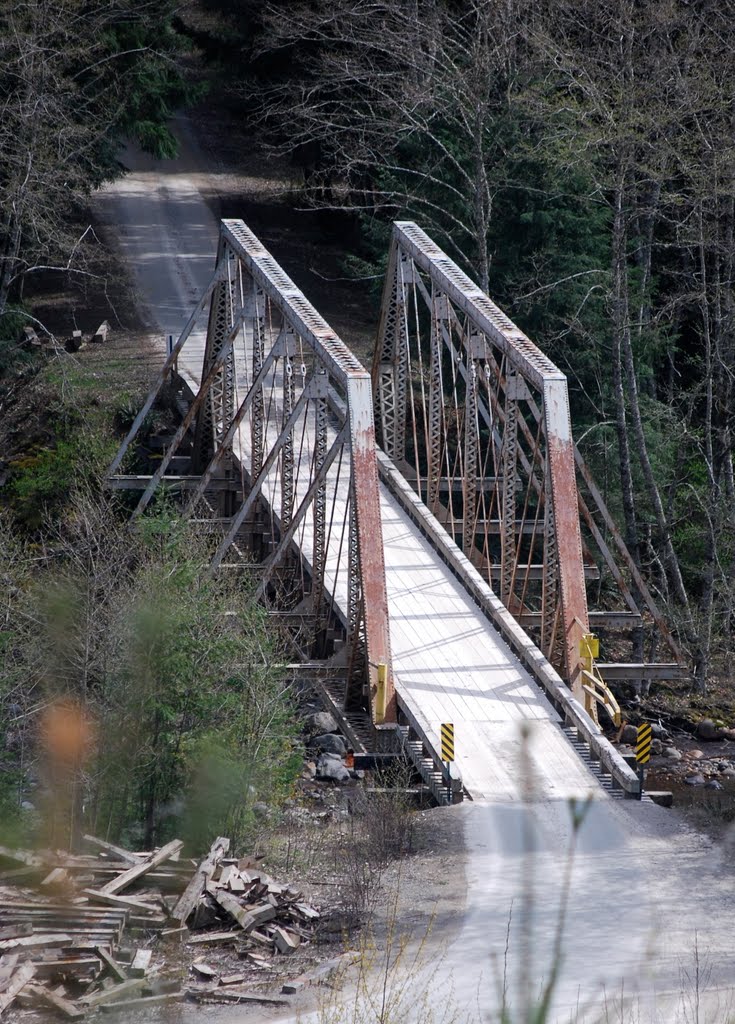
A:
(450, 664)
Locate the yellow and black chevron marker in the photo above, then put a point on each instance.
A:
(447, 731)
(643, 744)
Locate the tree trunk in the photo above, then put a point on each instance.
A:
(620, 319)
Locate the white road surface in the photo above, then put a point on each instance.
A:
(643, 891)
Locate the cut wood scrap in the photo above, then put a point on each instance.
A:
(175, 934)
(285, 941)
(264, 940)
(123, 902)
(191, 894)
(113, 992)
(34, 941)
(205, 970)
(247, 919)
(223, 995)
(226, 874)
(306, 911)
(75, 967)
(257, 960)
(13, 931)
(7, 967)
(197, 940)
(134, 873)
(21, 976)
(141, 962)
(124, 855)
(46, 997)
(144, 1002)
(112, 965)
(57, 876)
(232, 979)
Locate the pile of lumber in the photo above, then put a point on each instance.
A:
(70, 940)
(77, 937)
(238, 902)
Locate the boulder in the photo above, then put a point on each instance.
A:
(672, 753)
(713, 784)
(707, 730)
(319, 723)
(658, 731)
(331, 767)
(656, 747)
(330, 743)
(694, 780)
(629, 735)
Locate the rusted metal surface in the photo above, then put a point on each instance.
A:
(369, 537)
(560, 455)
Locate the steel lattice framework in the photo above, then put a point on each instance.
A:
(477, 419)
(283, 429)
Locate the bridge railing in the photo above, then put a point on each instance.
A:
(293, 473)
(477, 419)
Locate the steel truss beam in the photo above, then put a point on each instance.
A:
(492, 450)
(306, 493)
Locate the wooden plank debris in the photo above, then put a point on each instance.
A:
(141, 960)
(21, 976)
(137, 871)
(80, 940)
(48, 997)
(144, 1002)
(214, 937)
(112, 965)
(193, 891)
(124, 855)
(113, 992)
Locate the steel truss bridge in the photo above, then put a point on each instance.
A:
(428, 535)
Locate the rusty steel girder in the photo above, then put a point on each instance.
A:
(464, 392)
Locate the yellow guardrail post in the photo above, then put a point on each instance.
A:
(595, 688)
(380, 695)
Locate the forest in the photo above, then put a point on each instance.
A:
(576, 158)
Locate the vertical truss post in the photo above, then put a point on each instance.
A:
(439, 312)
(564, 495)
(321, 414)
(390, 369)
(550, 584)
(257, 416)
(287, 452)
(219, 405)
(373, 593)
(513, 388)
(356, 649)
(476, 350)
